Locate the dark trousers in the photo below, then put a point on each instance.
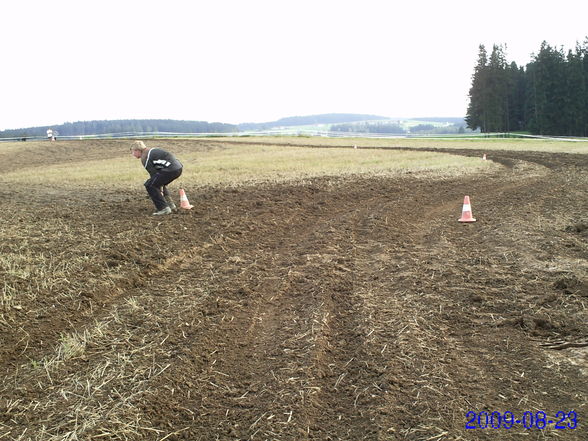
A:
(156, 186)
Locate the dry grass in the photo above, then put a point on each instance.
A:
(230, 164)
(237, 165)
(99, 398)
(30, 265)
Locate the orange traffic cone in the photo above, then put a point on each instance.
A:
(184, 203)
(466, 214)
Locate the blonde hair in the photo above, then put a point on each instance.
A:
(138, 145)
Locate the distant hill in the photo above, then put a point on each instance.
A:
(442, 119)
(325, 118)
(82, 128)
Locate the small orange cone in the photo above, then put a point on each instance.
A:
(184, 203)
(466, 214)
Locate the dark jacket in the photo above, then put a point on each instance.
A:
(159, 160)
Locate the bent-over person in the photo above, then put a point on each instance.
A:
(163, 168)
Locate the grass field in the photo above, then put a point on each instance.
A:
(231, 163)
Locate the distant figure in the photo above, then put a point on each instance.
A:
(50, 135)
(163, 167)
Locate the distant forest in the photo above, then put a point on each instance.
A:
(456, 126)
(367, 127)
(547, 97)
(82, 128)
(325, 118)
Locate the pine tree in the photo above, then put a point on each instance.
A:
(548, 79)
(516, 79)
(475, 115)
(584, 56)
(490, 95)
(575, 110)
(497, 109)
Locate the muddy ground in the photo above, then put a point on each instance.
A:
(332, 309)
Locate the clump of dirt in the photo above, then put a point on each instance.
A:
(580, 227)
(571, 284)
(536, 325)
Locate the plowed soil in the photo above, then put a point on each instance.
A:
(353, 308)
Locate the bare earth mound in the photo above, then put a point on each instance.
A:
(338, 309)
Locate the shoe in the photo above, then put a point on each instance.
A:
(170, 203)
(163, 211)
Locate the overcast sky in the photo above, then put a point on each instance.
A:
(259, 60)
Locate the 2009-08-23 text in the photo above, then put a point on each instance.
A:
(529, 420)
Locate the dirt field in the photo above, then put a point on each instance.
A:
(333, 309)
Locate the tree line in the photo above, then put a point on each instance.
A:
(368, 127)
(82, 128)
(398, 129)
(547, 97)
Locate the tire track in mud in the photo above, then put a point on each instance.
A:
(284, 360)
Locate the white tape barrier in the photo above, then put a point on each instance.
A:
(290, 132)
